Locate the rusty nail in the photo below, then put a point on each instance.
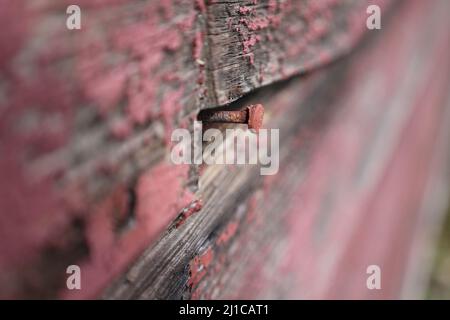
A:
(251, 115)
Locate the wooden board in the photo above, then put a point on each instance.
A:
(86, 118)
(347, 177)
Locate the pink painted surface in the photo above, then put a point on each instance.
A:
(75, 114)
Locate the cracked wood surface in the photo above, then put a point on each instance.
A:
(346, 176)
(85, 126)
(255, 43)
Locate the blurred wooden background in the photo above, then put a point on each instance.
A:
(85, 125)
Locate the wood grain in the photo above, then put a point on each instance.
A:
(86, 118)
(255, 43)
(311, 230)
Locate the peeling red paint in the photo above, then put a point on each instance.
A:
(193, 208)
(250, 42)
(210, 283)
(155, 209)
(62, 91)
(199, 267)
(245, 10)
(117, 73)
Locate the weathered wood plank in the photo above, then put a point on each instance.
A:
(255, 43)
(85, 113)
(312, 230)
(85, 121)
(86, 117)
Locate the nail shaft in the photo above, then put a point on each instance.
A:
(251, 115)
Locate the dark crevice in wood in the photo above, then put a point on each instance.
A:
(124, 222)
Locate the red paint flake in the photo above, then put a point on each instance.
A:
(253, 40)
(245, 10)
(257, 23)
(199, 267)
(229, 232)
(194, 207)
